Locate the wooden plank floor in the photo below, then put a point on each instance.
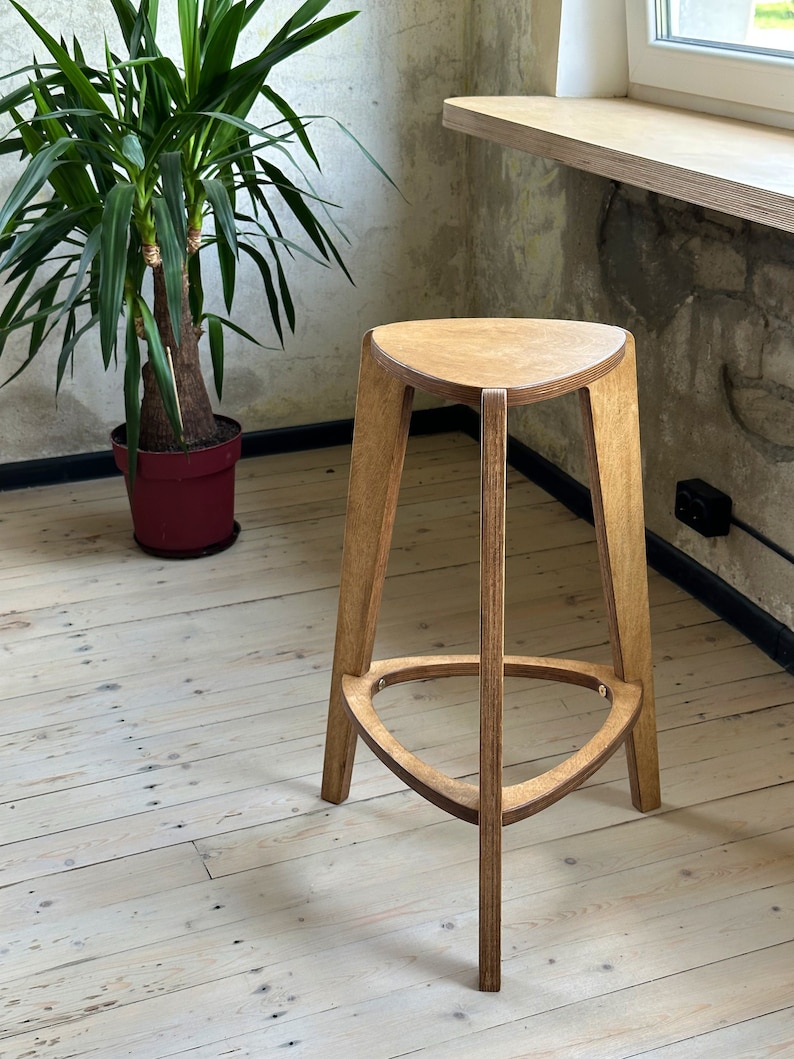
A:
(172, 884)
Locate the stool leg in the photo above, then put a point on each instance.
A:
(492, 585)
(611, 427)
(383, 414)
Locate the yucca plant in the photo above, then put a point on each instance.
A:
(125, 163)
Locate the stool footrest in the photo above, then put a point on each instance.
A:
(458, 797)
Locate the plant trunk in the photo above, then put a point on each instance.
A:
(197, 415)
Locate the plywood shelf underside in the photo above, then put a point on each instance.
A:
(736, 167)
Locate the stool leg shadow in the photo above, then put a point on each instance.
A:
(383, 413)
(611, 428)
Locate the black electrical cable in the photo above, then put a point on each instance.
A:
(782, 552)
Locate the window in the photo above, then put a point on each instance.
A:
(732, 57)
(735, 25)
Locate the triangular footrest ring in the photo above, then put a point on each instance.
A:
(457, 797)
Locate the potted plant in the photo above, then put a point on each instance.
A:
(125, 162)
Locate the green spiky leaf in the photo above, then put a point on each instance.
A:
(113, 258)
(215, 331)
(132, 150)
(224, 212)
(158, 358)
(32, 180)
(172, 248)
(132, 400)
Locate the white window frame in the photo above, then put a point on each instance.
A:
(718, 81)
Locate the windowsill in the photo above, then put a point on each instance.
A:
(732, 166)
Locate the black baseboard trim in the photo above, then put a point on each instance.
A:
(770, 635)
(58, 470)
(766, 632)
(340, 432)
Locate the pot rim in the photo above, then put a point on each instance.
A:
(118, 438)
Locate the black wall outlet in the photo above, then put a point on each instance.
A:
(704, 508)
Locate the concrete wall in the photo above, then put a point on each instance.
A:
(384, 76)
(709, 298)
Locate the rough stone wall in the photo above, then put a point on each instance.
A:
(709, 298)
(384, 76)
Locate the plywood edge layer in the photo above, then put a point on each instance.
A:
(735, 167)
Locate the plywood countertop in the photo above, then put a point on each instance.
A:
(736, 167)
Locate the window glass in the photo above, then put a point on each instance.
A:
(740, 25)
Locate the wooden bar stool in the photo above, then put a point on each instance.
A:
(495, 364)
